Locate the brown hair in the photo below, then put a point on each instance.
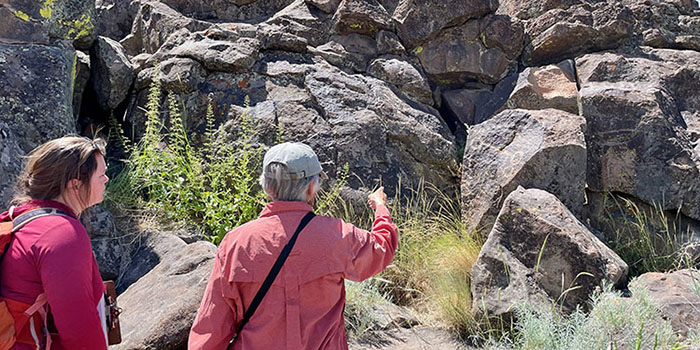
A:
(50, 167)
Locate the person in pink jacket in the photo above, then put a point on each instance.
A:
(51, 255)
(303, 309)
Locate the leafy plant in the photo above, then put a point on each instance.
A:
(213, 188)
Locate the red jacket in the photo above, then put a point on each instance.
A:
(304, 307)
(53, 255)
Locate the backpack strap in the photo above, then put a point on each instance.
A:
(30, 215)
(41, 302)
(271, 276)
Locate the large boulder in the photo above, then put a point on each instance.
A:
(560, 34)
(475, 105)
(478, 49)
(221, 55)
(539, 253)
(40, 21)
(112, 73)
(153, 24)
(294, 28)
(676, 296)
(420, 20)
(566, 28)
(543, 149)
(229, 10)
(406, 76)
(351, 53)
(635, 106)
(115, 17)
(361, 16)
(552, 86)
(159, 308)
(35, 105)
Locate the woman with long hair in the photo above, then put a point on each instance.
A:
(49, 262)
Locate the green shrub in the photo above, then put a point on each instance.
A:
(213, 188)
(613, 323)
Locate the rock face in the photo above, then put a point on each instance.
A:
(112, 73)
(36, 103)
(675, 295)
(536, 247)
(159, 308)
(350, 119)
(405, 76)
(361, 16)
(561, 29)
(108, 244)
(41, 21)
(541, 149)
(476, 49)
(418, 20)
(552, 86)
(638, 143)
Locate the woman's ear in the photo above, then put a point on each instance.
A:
(74, 185)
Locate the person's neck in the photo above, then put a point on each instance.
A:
(71, 203)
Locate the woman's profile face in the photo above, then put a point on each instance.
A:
(98, 180)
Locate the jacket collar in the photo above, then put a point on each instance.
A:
(278, 207)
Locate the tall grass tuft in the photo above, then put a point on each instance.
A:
(212, 188)
(433, 262)
(649, 239)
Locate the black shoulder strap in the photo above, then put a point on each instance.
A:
(271, 276)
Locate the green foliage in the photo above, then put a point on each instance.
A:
(613, 323)
(213, 188)
(647, 239)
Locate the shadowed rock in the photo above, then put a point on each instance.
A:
(35, 104)
(466, 52)
(112, 73)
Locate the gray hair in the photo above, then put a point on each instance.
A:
(281, 188)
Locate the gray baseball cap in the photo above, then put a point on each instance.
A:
(299, 158)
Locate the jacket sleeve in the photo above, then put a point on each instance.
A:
(371, 251)
(214, 325)
(65, 265)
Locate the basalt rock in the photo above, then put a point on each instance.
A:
(636, 107)
(468, 52)
(537, 246)
(112, 73)
(536, 149)
(552, 86)
(36, 103)
(418, 20)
